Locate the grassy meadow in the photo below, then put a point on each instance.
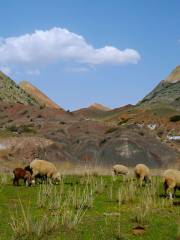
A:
(88, 206)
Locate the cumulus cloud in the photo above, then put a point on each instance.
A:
(59, 44)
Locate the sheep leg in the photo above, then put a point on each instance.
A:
(138, 179)
(14, 181)
(25, 180)
(165, 188)
(171, 185)
(141, 179)
(170, 196)
(34, 176)
(169, 191)
(17, 181)
(174, 193)
(45, 178)
(50, 181)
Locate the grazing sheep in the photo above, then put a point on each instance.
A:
(20, 173)
(38, 178)
(171, 179)
(120, 170)
(142, 173)
(29, 169)
(45, 168)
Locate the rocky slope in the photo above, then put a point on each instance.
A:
(90, 136)
(40, 97)
(167, 92)
(12, 93)
(99, 107)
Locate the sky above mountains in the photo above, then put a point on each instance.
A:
(80, 52)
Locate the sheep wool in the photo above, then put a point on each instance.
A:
(142, 173)
(44, 167)
(120, 169)
(171, 178)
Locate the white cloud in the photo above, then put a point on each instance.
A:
(59, 44)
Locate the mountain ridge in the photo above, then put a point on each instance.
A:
(12, 93)
(40, 97)
(167, 92)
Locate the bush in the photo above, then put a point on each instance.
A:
(26, 129)
(110, 130)
(124, 120)
(12, 128)
(175, 118)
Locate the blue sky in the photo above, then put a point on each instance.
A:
(81, 69)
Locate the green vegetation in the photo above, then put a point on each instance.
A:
(123, 121)
(110, 130)
(164, 93)
(24, 128)
(11, 92)
(87, 207)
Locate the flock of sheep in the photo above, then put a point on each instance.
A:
(171, 177)
(38, 169)
(47, 171)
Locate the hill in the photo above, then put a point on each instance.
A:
(174, 75)
(99, 107)
(90, 136)
(40, 97)
(12, 93)
(166, 93)
(94, 111)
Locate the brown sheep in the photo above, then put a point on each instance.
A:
(171, 179)
(142, 173)
(20, 173)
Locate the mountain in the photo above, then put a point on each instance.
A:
(174, 76)
(12, 93)
(93, 135)
(166, 93)
(63, 138)
(40, 97)
(94, 111)
(99, 107)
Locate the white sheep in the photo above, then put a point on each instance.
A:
(142, 173)
(171, 178)
(45, 168)
(120, 169)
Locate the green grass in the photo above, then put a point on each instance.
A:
(87, 207)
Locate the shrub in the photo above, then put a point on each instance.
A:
(110, 130)
(12, 128)
(175, 118)
(123, 121)
(102, 141)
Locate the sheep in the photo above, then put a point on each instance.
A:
(142, 173)
(38, 178)
(20, 173)
(171, 178)
(28, 168)
(43, 167)
(120, 169)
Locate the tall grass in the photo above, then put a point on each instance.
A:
(60, 210)
(24, 227)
